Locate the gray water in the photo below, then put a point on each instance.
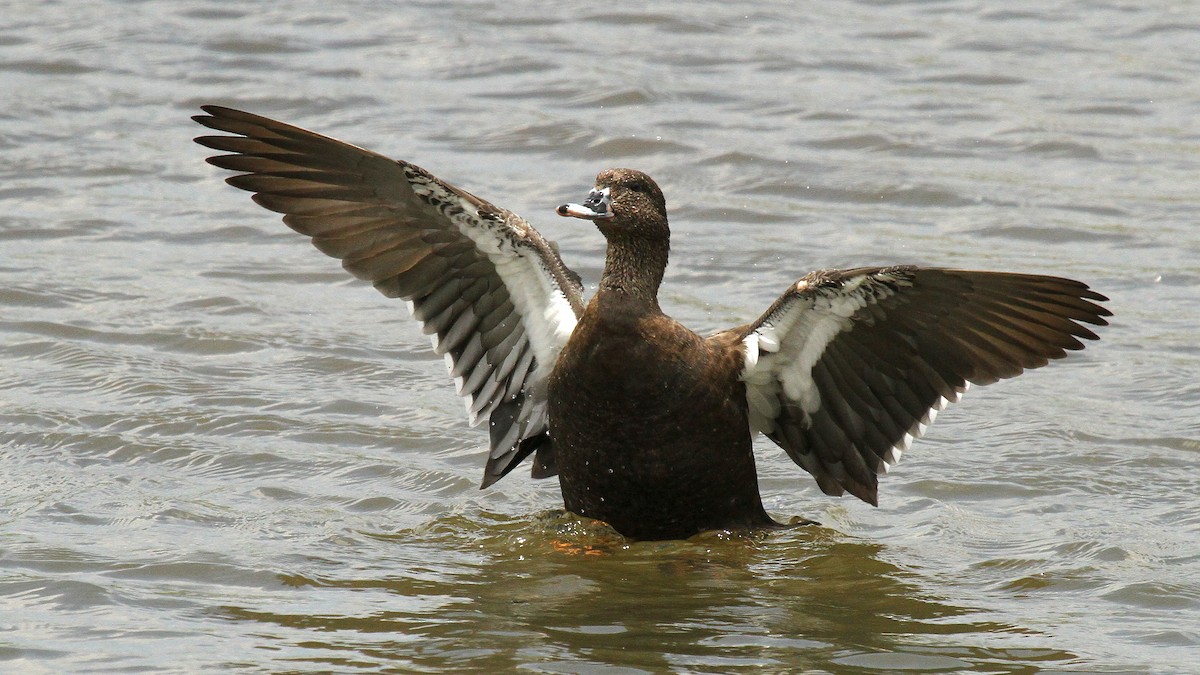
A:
(219, 453)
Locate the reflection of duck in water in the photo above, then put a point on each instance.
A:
(792, 601)
(647, 424)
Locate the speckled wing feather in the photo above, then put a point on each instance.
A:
(849, 366)
(494, 296)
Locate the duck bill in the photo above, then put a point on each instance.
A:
(597, 206)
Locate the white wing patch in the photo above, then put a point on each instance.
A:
(545, 312)
(546, 316)
(783, 349)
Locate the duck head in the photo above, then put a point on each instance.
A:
(624, 203)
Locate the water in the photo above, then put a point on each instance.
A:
(217, 452)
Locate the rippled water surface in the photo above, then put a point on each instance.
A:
(218, 452)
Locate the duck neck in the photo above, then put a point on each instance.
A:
(633, 268)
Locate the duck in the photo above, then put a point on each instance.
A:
(649, 426)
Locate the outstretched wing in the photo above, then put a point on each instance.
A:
(849, 366)
(496, 299)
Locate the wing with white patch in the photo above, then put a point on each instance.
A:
(849, 366)
(493, 295)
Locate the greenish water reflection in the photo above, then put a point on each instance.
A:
(560, 595)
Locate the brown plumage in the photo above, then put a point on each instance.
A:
(647, 424)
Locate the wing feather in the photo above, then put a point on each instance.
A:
(847, 367)
(492, 293)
